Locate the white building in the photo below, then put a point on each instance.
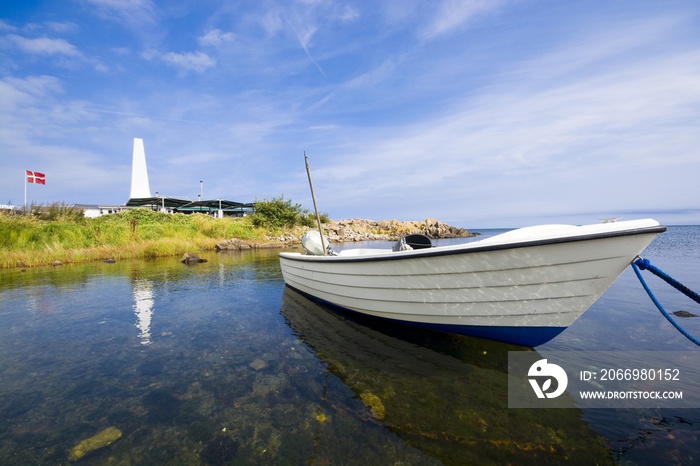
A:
(140, 196)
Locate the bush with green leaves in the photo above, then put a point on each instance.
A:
(309, 220)
(278, 212)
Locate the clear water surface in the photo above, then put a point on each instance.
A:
(218, 363)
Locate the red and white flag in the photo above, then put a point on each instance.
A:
(36, 177)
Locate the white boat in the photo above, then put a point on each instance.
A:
(524, 286)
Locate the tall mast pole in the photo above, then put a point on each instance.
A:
(313, 198)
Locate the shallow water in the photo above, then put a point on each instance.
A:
(218, 363)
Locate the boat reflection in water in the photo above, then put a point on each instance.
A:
(444, 394)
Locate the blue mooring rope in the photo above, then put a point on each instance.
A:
(644, 264)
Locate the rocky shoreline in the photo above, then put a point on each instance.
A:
(354, 230)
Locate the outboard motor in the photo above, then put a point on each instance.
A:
(411, 242)
(311, 242)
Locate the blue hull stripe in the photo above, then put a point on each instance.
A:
(524, 336)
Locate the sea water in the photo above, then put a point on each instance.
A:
(219, 363)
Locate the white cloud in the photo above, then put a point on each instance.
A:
(272, 21)
(37, 86)
(348, 14)
(44, 45)
(62, 27)
(5, 26)
(311, 24)
(190, 61)
(454, 14)
(134, 14)
(538, 135)
(216, 38)
(372, 77)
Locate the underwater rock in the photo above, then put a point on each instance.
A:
(220, 451)
(258, 364)
(109, 261)
(97, 441)
(163, 406)
(188, 258)
(684, 314)
(374, 403)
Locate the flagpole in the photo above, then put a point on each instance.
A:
(25, 191)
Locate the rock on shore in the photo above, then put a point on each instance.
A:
(362, 230)
(356, 229)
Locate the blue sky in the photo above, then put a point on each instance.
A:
(480, 113)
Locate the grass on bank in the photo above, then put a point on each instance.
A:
(30, 240)
(58, 232)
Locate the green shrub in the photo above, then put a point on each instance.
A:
(309, 220)
(278, 212)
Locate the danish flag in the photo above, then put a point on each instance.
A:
(36, 177)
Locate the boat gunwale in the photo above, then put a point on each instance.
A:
(468, 248)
